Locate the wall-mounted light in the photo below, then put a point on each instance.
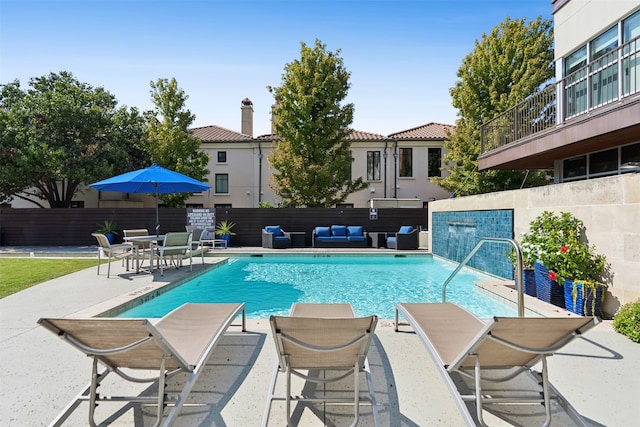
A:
(372, 189)
(248, 193)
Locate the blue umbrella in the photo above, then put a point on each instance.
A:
(152, 180)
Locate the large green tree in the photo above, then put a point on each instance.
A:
(312, 161)
(170, 144)
(60, 133)
(506, 66)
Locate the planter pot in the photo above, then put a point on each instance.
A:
(548, 290)
(584, 296)
(111, 238)
(530, 282)
(226, 238)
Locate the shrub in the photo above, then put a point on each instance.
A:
(627, 321)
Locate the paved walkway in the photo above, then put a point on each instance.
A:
(597, 373)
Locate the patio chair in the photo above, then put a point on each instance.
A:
(275, 238)
(145, 249)
(122, 251)
(182, 341)
(197, 247)
(175, 247)
(322, 337)
(405, 239)
(501, 351)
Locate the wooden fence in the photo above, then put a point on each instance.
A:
(73, 227)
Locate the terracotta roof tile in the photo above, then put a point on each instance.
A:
(357, 135)
(218, 134)
(428, 131)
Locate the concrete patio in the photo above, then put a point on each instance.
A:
(598, 373)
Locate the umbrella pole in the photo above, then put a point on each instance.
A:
(157, 220)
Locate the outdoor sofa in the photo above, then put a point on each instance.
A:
(340, 236)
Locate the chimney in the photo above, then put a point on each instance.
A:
(247, 117)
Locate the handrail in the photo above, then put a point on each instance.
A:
(519, 278)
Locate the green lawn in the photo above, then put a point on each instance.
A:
(17, 274)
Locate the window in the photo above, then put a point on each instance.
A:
(603, 162)
(631, 54)
(222, 206)
(222, 157)
(605, 80)
(576, 85)
(630, 154)
(344, 206)
(222, 183)
(373, 166)
(434, 162)
(77, 204)
(575, 168)
(406, 162)
(575, 61)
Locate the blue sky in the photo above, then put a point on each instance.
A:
(403, 55)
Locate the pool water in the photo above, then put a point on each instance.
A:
(268, 285)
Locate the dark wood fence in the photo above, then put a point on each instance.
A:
(73, 227)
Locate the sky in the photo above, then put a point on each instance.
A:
(403, 55)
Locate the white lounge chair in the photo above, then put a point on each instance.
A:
(322, 337)
(496, 352)
(182, 341)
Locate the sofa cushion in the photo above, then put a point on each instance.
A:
(275, 229)
(391, 240)
(281, 238)
(339, 238)
(323, 232)
(355, 231)
(356, 238)
(405, 229)
(339, 231)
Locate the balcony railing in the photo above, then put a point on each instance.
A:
(595, 85)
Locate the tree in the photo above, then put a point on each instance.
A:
(312, 161)
(61, 133)
(170, 144)
(508, 65)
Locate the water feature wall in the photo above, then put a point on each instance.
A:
(455, 233)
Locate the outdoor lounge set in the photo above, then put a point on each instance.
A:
(340, 236)
(325, 343)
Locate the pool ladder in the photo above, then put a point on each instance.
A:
(519, 275)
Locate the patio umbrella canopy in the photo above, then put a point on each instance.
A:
(152, 180)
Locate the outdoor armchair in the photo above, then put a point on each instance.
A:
(275, 238)
(118, 251)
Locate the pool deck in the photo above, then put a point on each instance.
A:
(598, 373)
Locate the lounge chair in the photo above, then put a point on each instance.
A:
(122, 251)
(176, 245)
(182, 341)
(405, 239)
(322, 337)
(504, 349)
(275, 238)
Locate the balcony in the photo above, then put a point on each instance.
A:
(594, 108)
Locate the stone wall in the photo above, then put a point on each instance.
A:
(609, 208)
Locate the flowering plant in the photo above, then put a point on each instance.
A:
(557, 241)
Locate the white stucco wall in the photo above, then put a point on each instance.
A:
(609, 208)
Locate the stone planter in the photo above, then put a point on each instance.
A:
(548, 290)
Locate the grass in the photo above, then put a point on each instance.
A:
(17, 274)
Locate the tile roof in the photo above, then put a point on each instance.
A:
(428, 131)
(218, 134)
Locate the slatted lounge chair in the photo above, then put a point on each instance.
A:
(498, 351)
(326, 337)
(182, 341)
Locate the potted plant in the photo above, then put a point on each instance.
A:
(569, 261)
(547, 233)
(223, 230)
(108, 228)
(529, 249)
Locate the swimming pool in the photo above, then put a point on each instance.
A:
(373, 284)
